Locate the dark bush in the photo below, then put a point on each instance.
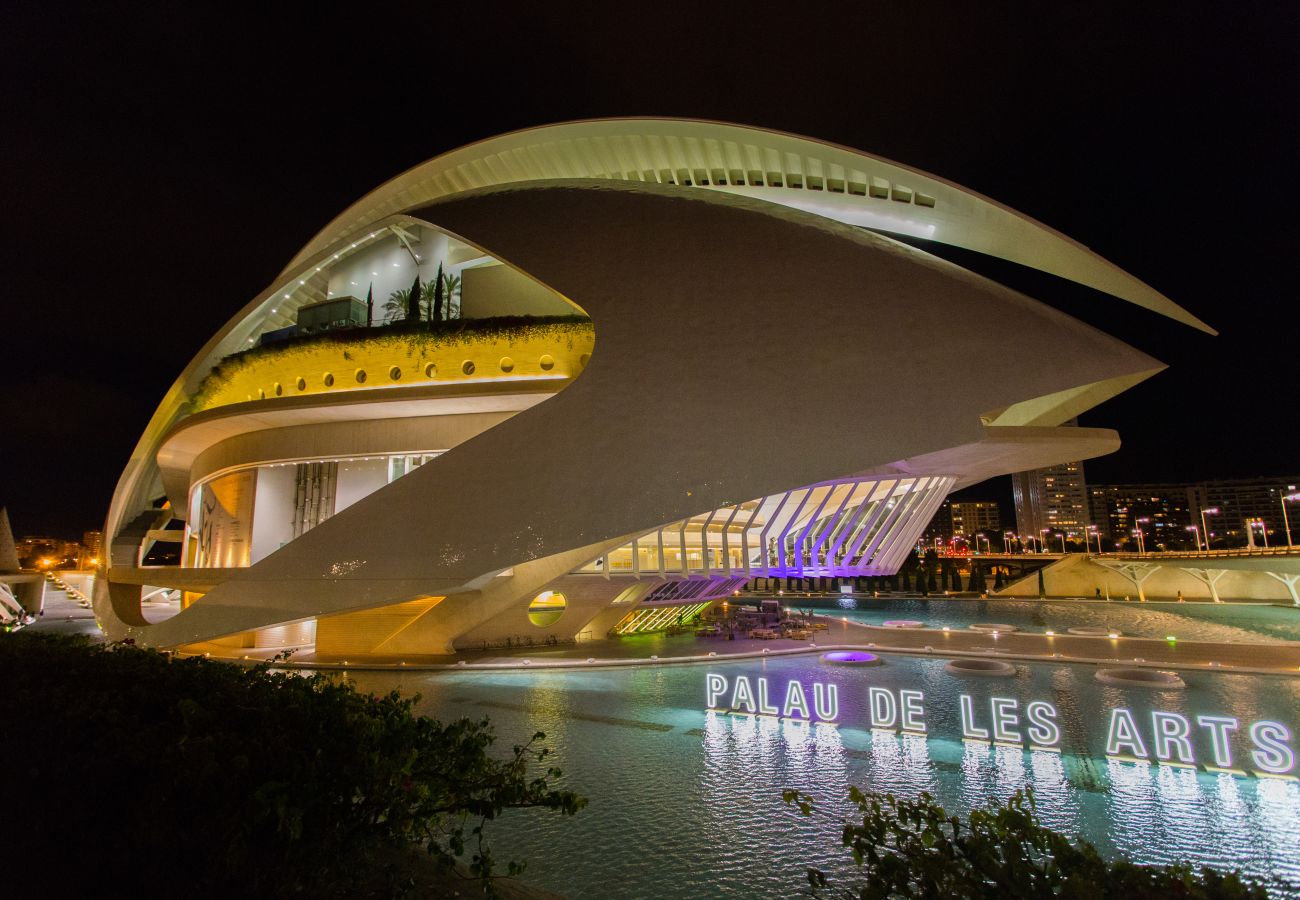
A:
(913, 848)
(134, 773)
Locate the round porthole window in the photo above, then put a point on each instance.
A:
(261, 394)
(430, 371)
(278, 389)
(546, 608)
(468, 367)
(302, 384)
(548, 362)
(395, 374)
(507, 364)
(361, 376)
(329, 379)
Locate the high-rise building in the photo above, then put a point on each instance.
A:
(92, 546)
(1051, 501)
(975, 516)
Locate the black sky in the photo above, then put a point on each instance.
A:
(159, 166)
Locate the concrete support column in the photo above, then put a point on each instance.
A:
(1210, 578)
(1136, 572)
(1290, 581)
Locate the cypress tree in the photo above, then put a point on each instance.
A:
(413, 301)
(934, 584)
(370, 305)
(1042, 587)
(997, 579)
(437, 295)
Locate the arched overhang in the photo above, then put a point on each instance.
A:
(819, 177)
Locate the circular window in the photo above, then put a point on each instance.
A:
(302, 384)
(361, 376)
(468, 367)
(546, 609)
(329, 379)
(583, 360)
(430, 371)
(261, 394)
(278, 389)
(507, 364)
(395, 374)
(548, 362)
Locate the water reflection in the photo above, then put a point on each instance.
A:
(687, 802)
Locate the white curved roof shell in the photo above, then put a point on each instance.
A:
(825, 179)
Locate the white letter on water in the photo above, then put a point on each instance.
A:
(1043, 729)
(795, 701)
(968, 727)
(1273, 755)
(1219, 727)
(1005, 719)
(1173, 732)
(743, 696)
(714, 686)
(1124, 733)
(912, 704)
(883, 709)
(826, 701)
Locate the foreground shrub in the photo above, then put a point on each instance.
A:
(134, 773)
(913, 848)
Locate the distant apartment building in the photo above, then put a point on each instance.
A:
(1163, 512)
(975, 516)
(940, 528)
(92, 545)
(1051, 501)
(1167, 512)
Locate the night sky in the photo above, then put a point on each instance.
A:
(158, 169)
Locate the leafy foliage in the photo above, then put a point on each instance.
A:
(414, 338)
(212, 779)
(914, 848)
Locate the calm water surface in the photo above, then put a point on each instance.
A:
(686, 802)
(1236, 622)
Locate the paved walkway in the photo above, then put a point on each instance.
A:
(1277, 659)
(63, 615)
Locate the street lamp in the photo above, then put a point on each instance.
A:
(1263, 529)
(1137, 533)
(1286, 523)
(1041, 532)
(1092, 529)
(1062, 543)
(1197, 529)
(1205, 529)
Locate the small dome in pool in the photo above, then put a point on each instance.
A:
(851, 658)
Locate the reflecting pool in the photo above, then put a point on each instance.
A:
(1239, 622)
(686, 802)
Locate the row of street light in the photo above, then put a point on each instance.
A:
(1201, 532)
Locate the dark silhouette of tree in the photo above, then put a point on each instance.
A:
(437, 295)
(413, 301)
